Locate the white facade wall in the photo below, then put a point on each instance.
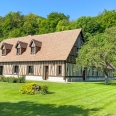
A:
(56, 79)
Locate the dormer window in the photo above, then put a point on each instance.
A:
(6, 48)
(3, 52)
(21, 47)
(35, 46)
(33, 50)
(18, 51)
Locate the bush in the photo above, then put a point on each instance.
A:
(11, 79)
(44, 89)
(20, 79)
(30, 88)
(17, 80)
(3, 79)
(33, 88)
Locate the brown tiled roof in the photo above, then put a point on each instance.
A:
(55, 46)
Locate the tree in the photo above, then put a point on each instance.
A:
(89, 25)
(10, 21)
(1, 21)
(99, 52)
(54, 18)
(107, 18)
(16, 32)
(43, 26)
(62, 25)
(30, 25)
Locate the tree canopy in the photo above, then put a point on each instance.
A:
(99, 52)
(15, 24)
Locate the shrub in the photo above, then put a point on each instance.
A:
(33, 88)
(12, 79)
(44, 89)
(17, 80)
(22, 79)
(3, 79)
(30, 88)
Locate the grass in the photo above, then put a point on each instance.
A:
(65, 99)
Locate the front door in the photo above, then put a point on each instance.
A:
(46, 72)
(84, 75)
(1, 70)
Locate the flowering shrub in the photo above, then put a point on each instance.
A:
(33, 88)
(30, 88)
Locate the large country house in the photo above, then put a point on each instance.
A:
(45, 57)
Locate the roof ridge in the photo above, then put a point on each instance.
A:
(41, 34)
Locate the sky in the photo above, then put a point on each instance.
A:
(73, 8)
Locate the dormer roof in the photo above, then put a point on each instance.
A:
(6, 45)
(36, 43)
(22, 44)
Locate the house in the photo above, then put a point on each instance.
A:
(45, 57)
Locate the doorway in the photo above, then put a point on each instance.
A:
(84, 75)
(1, 70)
(46, 72)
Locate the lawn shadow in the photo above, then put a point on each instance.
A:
(25, 108)
(94, 81)
(113, 84)
(49, 92)
(103, 83)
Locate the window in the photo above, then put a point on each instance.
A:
(32, 50)
(67, 69)
(92, 71)
(18, 51)
(16, 69)
(59, 70)
(30, 69)
(3, 52)
(1, 70)
(97, 73)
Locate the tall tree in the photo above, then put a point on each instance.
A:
(11, 20)
(89, 25)
(54, 18)
(63, 25)
(1, 21)
(43, 26)
(99, 52)
(30, 24)
(107, 18)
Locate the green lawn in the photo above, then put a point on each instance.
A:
(65, 99)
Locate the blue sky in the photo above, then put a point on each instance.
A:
(73, 8)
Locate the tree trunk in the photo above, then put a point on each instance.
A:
(106, 77)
